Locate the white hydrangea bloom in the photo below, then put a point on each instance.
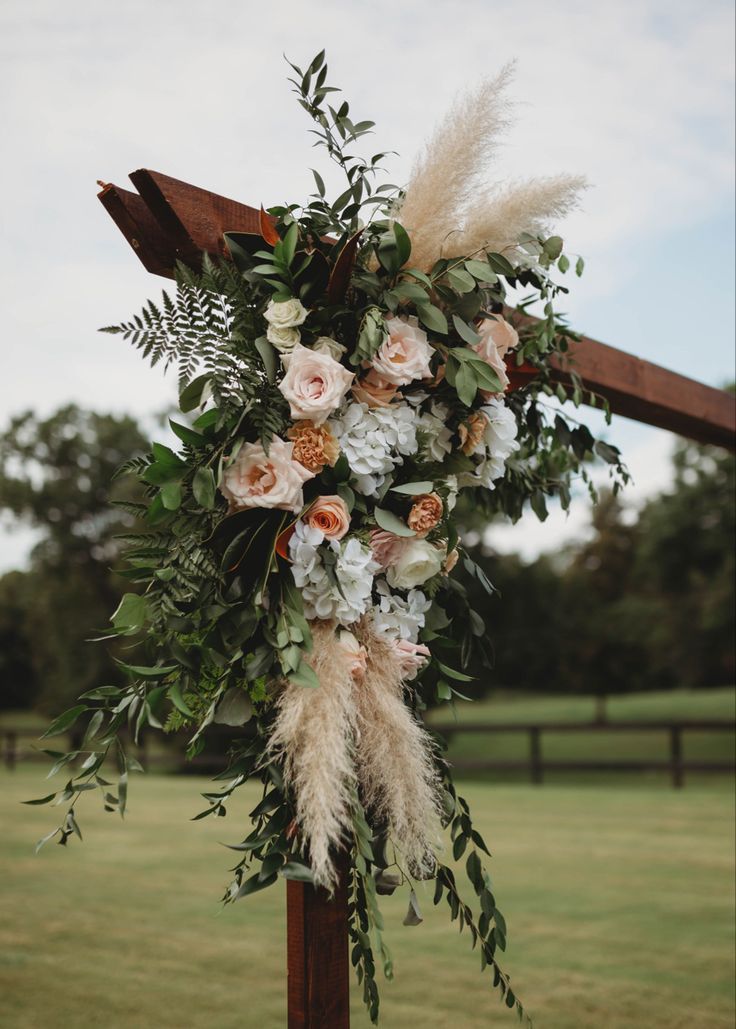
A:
(354, 568)
(432, 425)
(374, 440)
(499, 440)
(399, 618)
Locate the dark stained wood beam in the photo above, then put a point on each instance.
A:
(169, 220)
(317, 955)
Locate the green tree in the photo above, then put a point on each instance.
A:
(57, 475)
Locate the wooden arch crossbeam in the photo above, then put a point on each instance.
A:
(168, 221)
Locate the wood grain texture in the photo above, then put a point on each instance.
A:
(170, 220)
(317, 956)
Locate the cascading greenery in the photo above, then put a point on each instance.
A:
(211, 592)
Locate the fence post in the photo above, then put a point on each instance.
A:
(11, 749)
(678, 772)
(535, 754)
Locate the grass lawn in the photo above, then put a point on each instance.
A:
(619, 902)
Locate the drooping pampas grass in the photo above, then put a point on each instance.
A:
(314, 734)
(452, 206)
(399, 784)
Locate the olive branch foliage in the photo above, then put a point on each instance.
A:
(220, 619)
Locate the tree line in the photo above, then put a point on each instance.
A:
(644, 602)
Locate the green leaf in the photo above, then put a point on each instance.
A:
(269, 356)
(403, 244)
(480, 270)
(64, 721)
(413, 489)
(234, 707)
(40, 800)
(466, 384)
(461, 280)
(304, 676)
(563, 263)
(146, 671)
(171, 496)
(178, 701)
(432, 318)
(254, 884)
(191, 396)
(413, 915)
(539, 505)
(130, 614)
(392, 523)
(203, 488)
(579, 266)
(464, 331)
(553, 247)
(187, 435)
(452, 674)
(298, 872)
(501, 265)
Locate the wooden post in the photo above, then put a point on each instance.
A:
(535, 754)
(317, 955)
(678, 772)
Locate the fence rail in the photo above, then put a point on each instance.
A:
(535, 764)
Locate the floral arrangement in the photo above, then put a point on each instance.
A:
(351, 372)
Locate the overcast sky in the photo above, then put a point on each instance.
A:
(637, 96)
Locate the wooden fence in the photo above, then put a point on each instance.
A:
(535, 765)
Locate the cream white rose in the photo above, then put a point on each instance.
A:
(417, 562)
(405, 355)
(497, 338)
(257, 479)
(285, 314)
(328, 345)
(315, 384)
(283, 339)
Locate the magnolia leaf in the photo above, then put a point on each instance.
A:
(186, 435)
(171, 496)
(267, 228)
(340, 277)
(413, 489)
(192, 394)
(392, 523)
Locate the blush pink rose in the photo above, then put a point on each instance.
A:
(315, 384)
(330, 515)
(497, 338)
(355, 654)
(405, 355)
(412, 657)
(257, 479)
(386, 547)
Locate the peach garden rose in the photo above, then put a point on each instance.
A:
(497, 337)
(330, 515)
(257, 479)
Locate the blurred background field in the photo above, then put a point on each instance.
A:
(620, 903)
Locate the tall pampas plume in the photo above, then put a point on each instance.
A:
(451, 204)
(313, 733)
(394, 758)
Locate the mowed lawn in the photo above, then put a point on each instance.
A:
(619, 901)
